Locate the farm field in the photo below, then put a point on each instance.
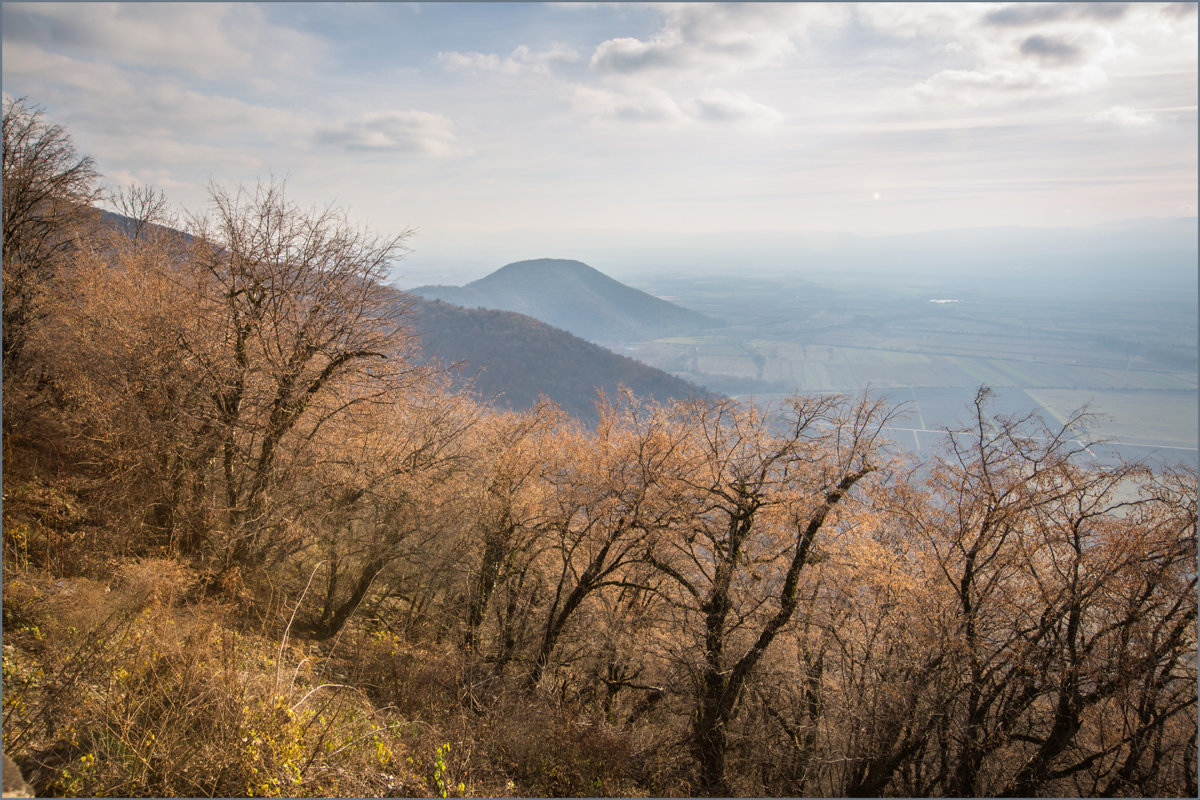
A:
(1132, 358)
(1132, 417)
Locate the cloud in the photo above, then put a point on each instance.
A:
(159, 178)
(1035, 52)
(522, 61)
(1123, 117)
(626, 55)
(413, 132)
(1026, 14)
(720, 106)
(1051, 49)
(206, 40)
(119, 156)
(706, 39)
(1072, 58)
(126, 103)
(974, 87)
(651, 105)
(927, 21)
(648, 105)
(1180, 10)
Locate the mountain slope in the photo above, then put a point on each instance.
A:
(575, 297)
(517, 358)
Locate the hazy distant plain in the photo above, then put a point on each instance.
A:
(1130, 357)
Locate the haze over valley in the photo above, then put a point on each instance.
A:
(1053, 320)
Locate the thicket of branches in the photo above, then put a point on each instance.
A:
(251, 547)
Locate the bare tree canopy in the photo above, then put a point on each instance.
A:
(301, 329)
(144, 207)
(48, 192)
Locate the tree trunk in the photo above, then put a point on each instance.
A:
(711, 740)
(332, 623)
(485, 582)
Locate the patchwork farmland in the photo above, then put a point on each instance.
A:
(1131, 360)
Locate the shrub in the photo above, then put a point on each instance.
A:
(153, 699)
(550, 754)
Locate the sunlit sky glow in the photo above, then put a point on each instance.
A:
(470, 121)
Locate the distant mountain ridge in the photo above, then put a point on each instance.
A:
(577, 298)
(515, 358)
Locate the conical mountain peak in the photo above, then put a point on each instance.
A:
(576, 297)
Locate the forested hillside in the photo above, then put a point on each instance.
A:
(254, 545)
(514, 360)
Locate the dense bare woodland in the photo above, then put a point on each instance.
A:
(253, 546)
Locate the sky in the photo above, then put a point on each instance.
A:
(499, 131)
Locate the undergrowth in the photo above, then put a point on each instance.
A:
(145, 686)
(122, 690)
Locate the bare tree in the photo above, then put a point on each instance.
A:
(145, 207)
(507, 498)
(383, 490)
(869, 662)
(611, 492)
(1065, 587)
(301, 330)
(232, 353)
(758, 502)
(1013, 620)
(48, 192)
(127, 383)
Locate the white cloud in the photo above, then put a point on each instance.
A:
(917, 20)
(1025, 51)
(414, 132)
(668, 77)
(164, 94)
(127, 104)
(206, 40)
(1068, 54)
(651, 105)
(523, 60)
(626, 54)
(707, 39)
(976, 87)
(160, 178)
(1123, 116)
(1051, 49)
(477, 61)
(1030, 14)
(647, 105)
(718, 105)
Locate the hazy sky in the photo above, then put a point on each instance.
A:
(510, 122)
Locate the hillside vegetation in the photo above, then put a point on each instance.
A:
(255, 545)
(515, 361)
(575, 297)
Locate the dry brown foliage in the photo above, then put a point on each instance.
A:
(253, 546)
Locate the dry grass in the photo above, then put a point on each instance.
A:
(124, 690)
(145, 686)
